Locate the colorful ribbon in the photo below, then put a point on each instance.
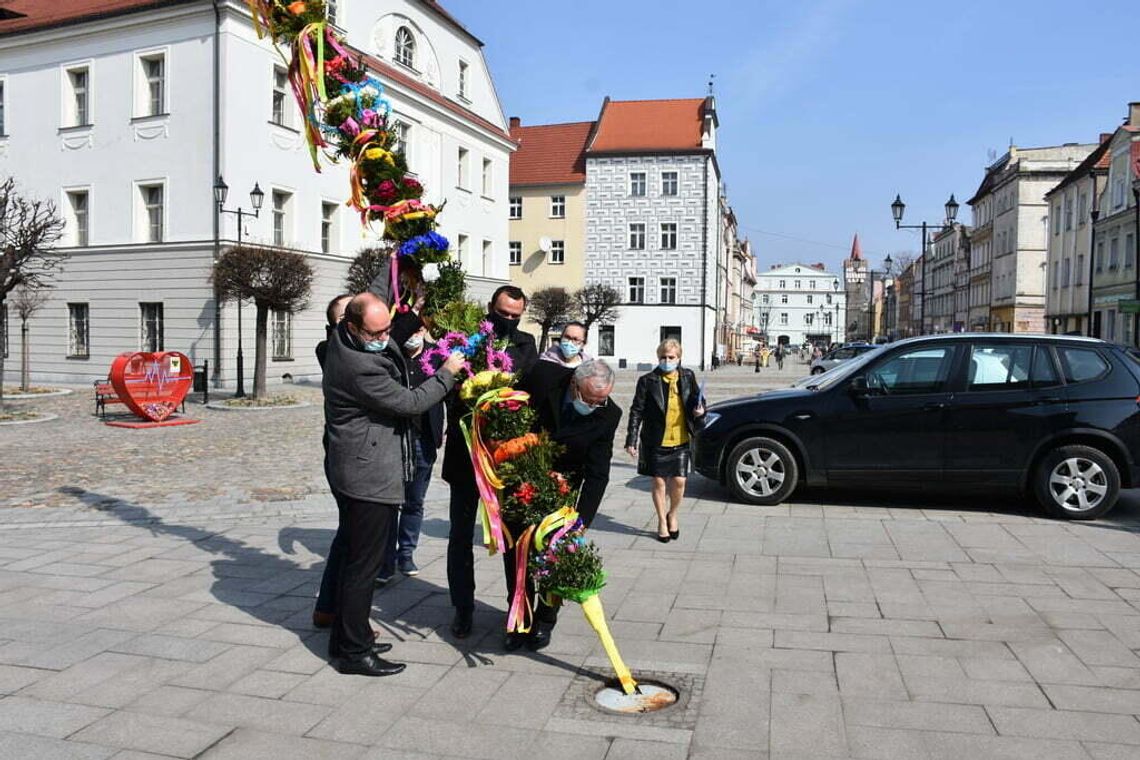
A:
(596, 617)
(496, 537)
(520, 616)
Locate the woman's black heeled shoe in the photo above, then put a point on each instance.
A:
(675, 534)
(665, 539)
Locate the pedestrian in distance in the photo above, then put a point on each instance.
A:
(780, 356)
(569, 351)
(739, 358)
(756, 356)
(667, 410)
(504, 312)
(367, 406)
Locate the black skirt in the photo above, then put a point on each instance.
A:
(665, 462)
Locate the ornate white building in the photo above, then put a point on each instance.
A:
(125, 112)
(798, 303)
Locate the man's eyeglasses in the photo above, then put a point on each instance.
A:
(575, 341)
(378, 335)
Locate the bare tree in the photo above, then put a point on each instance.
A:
(274, 280)
(549, 307)
(27, 302)
(30, 228)
(369, 263)
(597, 303)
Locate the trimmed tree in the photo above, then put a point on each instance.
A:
(549, 307)
(273, 279)
(597, 303)
(369, 263)
(29, 230)
(27, 301)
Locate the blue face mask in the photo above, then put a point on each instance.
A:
(375, 346)
(667, 366)
(582, 408)
(569, 349)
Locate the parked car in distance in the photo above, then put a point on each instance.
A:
(1054, 416)
(833, 357)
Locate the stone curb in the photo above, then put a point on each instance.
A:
(221, 407)
(41, 418)
(29, 396)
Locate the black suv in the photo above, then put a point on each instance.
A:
(1058, 416)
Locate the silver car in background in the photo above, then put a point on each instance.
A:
(839, 355)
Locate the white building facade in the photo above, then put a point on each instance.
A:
(804, 304)
(126, 120)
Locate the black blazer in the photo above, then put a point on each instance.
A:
(431, 423)
(647, 412)
(456, 468)
(588, 438)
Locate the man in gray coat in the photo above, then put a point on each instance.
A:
(367, 407)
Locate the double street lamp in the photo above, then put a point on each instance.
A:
(897, 209)
(886, 272)
(256, 198)
(1136, 250)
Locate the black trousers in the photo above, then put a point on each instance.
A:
(462, 510)
(365, 527)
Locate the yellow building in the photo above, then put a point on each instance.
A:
(547, 235)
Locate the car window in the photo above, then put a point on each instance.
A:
(995, 367)
(1080, 364)
(840, 354)
(922, 370)
(1044, 374)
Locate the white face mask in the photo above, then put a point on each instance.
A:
(414, 342)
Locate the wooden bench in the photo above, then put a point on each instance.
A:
(105, 394)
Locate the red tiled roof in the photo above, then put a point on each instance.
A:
(652, 125)
(36, 14)
(550, 154)
(1098, 160)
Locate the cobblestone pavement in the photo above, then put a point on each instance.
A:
(139, 623)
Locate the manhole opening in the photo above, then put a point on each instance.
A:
(650, 696)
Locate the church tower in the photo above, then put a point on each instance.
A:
(855, 283)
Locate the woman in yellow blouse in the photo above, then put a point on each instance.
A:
(666, 410)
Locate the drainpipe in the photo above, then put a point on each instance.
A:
(216, 173)
(704, 261)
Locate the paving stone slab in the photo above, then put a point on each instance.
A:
(150, 733)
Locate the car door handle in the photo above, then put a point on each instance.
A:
(803, 416)
(933, 406)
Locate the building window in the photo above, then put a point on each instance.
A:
(668, 290)
(1082, 209)
(606, 340)
(281, 203)
(1057, 219)
(150, 327)
(515, 249)
(668, 236)
(330, 11)
(282, 335)
(154, 81)
(461, 249)
(1114, 254)
(280, 96)
(405, 47)
(668, 183)
(783, 298)
(154, 211)
(328, 226)
(809, 298)
(783, 318)
(1118, 193)
(1100, 256)
(78, 331)
(764, 298)
(1056, 274)
(516, 207)
(637, 184)
(558, 252)
(829, 299)
(557, 206)
(77, 201)
(1068, 213)
(637, 236)
(797, 284)
(808, 319)
(1129, 251)
(1066, 272)
(3, 131)
(783, 284)
(461, 168)
(637, 290)
(1078, 277)
(811, 284)
(400, 131)
(488, 178)
(487, 254)
(78, 111)
(463, 80)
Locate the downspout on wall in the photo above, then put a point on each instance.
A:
(704, 261)
(217, 84)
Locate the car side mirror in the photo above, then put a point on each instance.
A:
(858, 386)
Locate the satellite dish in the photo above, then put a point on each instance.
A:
(545, 244)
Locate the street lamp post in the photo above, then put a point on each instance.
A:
(256, 198)
(887, 264)
(1136, 248)
(838, 333)
(897, 209)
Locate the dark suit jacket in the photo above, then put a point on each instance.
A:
(588, 438)
(367, 406)
(647, 412)
(431, 423)
(456, 468)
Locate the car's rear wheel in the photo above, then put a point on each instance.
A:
(1077, 483)
(817, 370)
(762, 471)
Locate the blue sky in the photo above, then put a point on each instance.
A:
(829, 107)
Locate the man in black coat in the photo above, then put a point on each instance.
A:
(574, 407)
(504, 312)
(367, 406)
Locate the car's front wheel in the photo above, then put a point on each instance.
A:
(761, 471)
(1077, 483)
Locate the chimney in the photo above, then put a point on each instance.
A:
(1105, 137)
(516, 122)
(1134, 114)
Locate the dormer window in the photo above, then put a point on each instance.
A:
(405, 47)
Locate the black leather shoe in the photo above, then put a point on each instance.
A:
(461, 624)
(675, 534)
(377, 648)
(513, 642)
(538, 639)
(369, 665)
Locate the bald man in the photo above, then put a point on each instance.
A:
(367, 409)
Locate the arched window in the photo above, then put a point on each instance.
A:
(405, 47)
